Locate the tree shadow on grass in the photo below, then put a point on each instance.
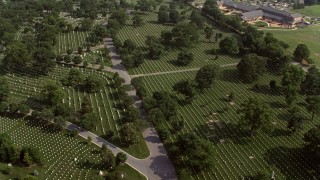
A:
(227, 132)
(280, 132)
(265, 89)
(163, 24)
(43, 125)
(95, 152)
(283, 116)
(87, 164)
(288, 161)
(34, 103)
(230, 75)
(277, 105)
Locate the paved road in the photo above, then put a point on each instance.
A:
(154, 167)
(157, 165)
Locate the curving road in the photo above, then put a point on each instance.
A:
(157, 165)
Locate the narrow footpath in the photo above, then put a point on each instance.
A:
(157, 165)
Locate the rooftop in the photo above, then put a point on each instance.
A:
(251, 14)
(238, 5)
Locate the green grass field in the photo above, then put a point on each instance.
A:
(309, 11)
(235, 156)
(25, 87)
(58, 151)
(151, 27)
(309, 36)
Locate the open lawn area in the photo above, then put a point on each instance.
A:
(309, 36)
(309, 11)
(213, 118)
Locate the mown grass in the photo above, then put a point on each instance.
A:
(308, 35)
(239, 155)
(309, 11)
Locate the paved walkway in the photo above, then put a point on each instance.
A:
(157, 165)
(177, 71)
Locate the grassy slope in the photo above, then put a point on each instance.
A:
(309, 35)
(278, 152)
(309, 11)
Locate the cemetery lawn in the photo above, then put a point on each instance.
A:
(308, 35)
(309, 11)
(58, 150)
(72, 40)
(213, 118)
(26, 86)
(166, 63)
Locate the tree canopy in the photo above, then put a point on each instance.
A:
(186, 88)
(52, 93)
(312, 140)
(255, 115)
(206, 76)
(301, 52)
(291, 82)
(229, 45)
(184, 58)
(93, 83)
(251, 67)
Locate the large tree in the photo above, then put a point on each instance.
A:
(145, 5)
(155, 47)
(255, 115)
(4, 89)
(197, 18)
(313, 105)
(174, 16)
(43, 60)
(291, 81)
(130, 134)
(311, 84)
(163, 15)
(166, 103)
(296, 119)
(199, 152)
(117, 80)
(52, 93)
(312, 143)
(93, 83)
(89, 120)
(206, 76)
(251, 67)
(137, 20)
(182, 35)
(301, 52)
(184, 58)
(74, 78)
(186, 88)
(229, 45)
(120, 16)
(108, 159)
(16, 55)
